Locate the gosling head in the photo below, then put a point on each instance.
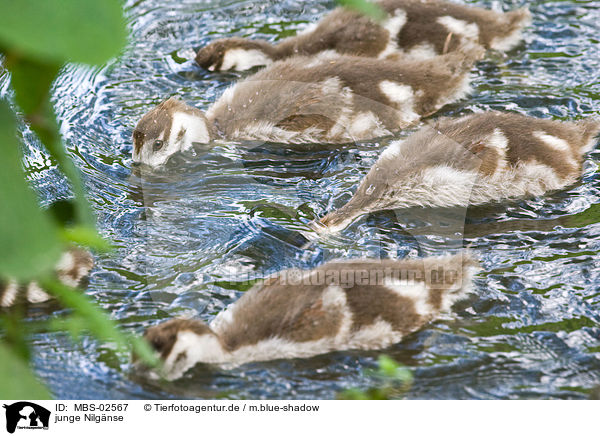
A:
(170, 127)
(237, 54)
(183, 343)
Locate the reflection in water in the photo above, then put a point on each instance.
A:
(194, 235)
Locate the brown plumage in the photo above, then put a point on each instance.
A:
(301, 100)
(361, 304)
(471, 160)
(413, 28)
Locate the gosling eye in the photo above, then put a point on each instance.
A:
(157, 144)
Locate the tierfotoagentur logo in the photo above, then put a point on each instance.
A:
(26, 416)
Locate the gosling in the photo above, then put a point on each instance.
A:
(342, 305)
(472, 160)
(414, 29)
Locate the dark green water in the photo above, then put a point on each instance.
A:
(189, 236)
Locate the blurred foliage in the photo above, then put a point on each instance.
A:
(36, 39)
(58, 31)
(28, 237)
(393, 381)
(18, 382)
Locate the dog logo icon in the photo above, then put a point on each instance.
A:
(26, 415)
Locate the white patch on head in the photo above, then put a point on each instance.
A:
(422, 52)
(35, 294)
(241, 59)
(147, 155)
(196, 130)
(402, 96)
(460, 27)
(393, 25)
(10, 294)
(195, 348)
(416, 292)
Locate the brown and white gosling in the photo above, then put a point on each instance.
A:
(417, 29)
(471, 160)
(303, 100)
(72, 269)
(341, 305)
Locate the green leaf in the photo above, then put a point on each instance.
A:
(364, 7)
(391, 369)
(86, 236)
(15, 332)
(33, 76)
(142, 349)
(74, 325)
(86, 31)
(29, 238)
(387, 366)
(18, 381)
(31, 81)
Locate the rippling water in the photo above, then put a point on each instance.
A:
(190, 238)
